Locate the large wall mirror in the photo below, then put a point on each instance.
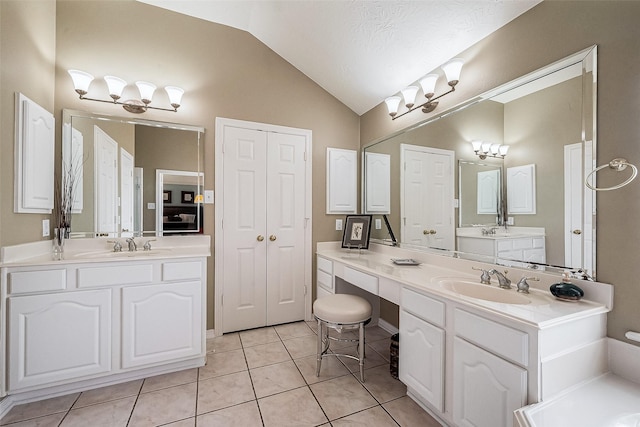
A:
(132, 177)
(529, 208)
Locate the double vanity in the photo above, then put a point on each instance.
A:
(99, 317)
(471, 353)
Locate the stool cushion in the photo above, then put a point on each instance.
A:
(342, 308)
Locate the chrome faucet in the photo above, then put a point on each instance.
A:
(503, 281)
(485, 279)
(117, 246)
(523, 286)
(132, 244)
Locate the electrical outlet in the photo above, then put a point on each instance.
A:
(151, 206)
(509, 220)
(45, 228)
(378, 223)
(338, 224)
(208, 196)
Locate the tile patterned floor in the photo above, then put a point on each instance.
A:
(261, 377)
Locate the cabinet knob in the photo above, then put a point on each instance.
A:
(272, 238)
(260, 238)
(432, 231)
(577, 231)
(425, 232)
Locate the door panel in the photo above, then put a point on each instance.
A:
(244, 222)
(106, 155)
(285, 225)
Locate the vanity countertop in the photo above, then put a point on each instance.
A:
(100, 250)
(544, 310)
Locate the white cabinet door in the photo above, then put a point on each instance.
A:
(421, 364)
(486, 388)
(342, 181)
(58, 337)
(161, 323)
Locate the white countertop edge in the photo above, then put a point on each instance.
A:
(39, 253)
(447, 266)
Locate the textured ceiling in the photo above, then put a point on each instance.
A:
(360, 51)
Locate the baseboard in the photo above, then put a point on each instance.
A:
(5, 406)
(211, 333)
(387, 326)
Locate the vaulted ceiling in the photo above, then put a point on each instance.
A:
(360, 51)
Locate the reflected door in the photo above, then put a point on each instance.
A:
(106, 194)
(427, 197)
(126, 192)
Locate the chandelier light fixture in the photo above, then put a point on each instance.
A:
(486, 149)
(82, 80)
(451, 70)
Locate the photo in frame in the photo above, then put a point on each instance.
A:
(166, 196)
(188, 197)
(356, 232)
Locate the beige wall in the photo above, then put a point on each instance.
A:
(27, 65)
(548, 32)
(225, 73)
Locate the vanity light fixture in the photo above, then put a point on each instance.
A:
(486, 149)
(451, 70)
(82, 80)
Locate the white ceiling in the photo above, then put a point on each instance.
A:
(360, 51)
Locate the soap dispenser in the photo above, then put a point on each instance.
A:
(565, 290)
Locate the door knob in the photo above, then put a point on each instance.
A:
(260, 238)
(577, 231)
(272, 238)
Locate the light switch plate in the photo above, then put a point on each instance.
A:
(45, 228)
(509, 220)
(338, 224)
(208, 197)
(151, 205)
(378, 223)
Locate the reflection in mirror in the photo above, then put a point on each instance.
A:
(547, 119)
(480, 193)
(114, 162)
(178, 202)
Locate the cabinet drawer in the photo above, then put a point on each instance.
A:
(325, 280)
(181, 270)
(22, 282)
(423, 306)
(362, 280)
(115, 275)
(389, 290)
(526, 243)
(325, 265)
(499, 339)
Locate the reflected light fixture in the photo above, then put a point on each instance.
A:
(451, 70)
(82, 80)
(486, 149)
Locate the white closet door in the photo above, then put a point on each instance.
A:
(285, 228)
(244, 227)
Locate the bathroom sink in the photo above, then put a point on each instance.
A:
(123, 254)
(472, 289)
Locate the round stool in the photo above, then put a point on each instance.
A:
(341, 311)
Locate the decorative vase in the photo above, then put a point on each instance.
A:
(59, 236)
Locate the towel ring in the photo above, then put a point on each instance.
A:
(618, 165)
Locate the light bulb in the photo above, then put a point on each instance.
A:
(81, 81)
(409, 95)
(452, 70)
(116, 86)
(392, 104)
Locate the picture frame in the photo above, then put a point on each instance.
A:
(166, 196)
(188, 197)
(357, 229)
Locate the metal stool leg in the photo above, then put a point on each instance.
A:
(319, 351)
(361, 350)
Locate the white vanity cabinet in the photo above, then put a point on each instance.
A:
(80, 324)
(487, 385)
(523, 248)
(324, 277)
(58, 337)
(422, 344)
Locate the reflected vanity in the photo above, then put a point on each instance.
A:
(547, 118)
(132, 176)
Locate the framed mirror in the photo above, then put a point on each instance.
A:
(117, 166)
(548, 120)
